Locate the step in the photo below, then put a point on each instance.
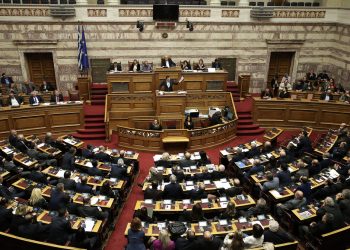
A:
(97, 102)
(89, 136)
(98, 97)
(244, 116)
(91, 131)
(95, 125)
(241, 121)
(251, 132)
(98, 86)
(96, 119)
(98, 91)
(247, 127)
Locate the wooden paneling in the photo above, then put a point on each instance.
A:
(99, 68)
(40, 119)
(299, 113)
(129, 82)
(280, 64)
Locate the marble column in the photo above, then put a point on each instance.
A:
(243, 3)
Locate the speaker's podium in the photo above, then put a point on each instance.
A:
(171, 108)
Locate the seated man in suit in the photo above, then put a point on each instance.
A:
(6, 80)
(173, 190)
(68, 183)
(41, 157)
(32, 229)
(198, 193)
(261, 207)
(275, 234)
(266, 94)
(164, 161)
(167, 84)
(219, 174)
(45, 87)
(101, 155)
(59, 199)
(153, 192)
(155, 125)
(13, 138)
(56, 97)
(5, 214)
(83, 187)
(35, 99)
(87, 152)
(60, 228)
(146, 67)
(10, 166)
(68, 159)
(38, 176)
(327, 96)
(14, 101)
(216, 64)
(94, 171)
(187, 162)
(298, 201)
(135, 66)
(343, 201)
(166, 62)
(91, 211)
(256, 168)
(235, 190)
(22, 144)
(119, 170)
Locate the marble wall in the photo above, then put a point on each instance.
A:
(316, 45)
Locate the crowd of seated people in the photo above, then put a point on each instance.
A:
(166, 62)
(21, 218)
(295, 167)
(309, 83)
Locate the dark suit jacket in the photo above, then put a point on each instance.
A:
(118, 172)
(4, 192)
(95, 172)
(171, 63)
(323, 96)
(35, 231)
(16, 221)
(265, 94)
(86, 211)
(86, 153)
(60, 229)
(48, 87)
(3, 79)
(68, 161)
(53, 98)
(153, 194)
(187, 163)
(69, 184)
(163, 163)
(83, 188)
(165, 87)
(18, 98)
(131, 68)
(38, 177)
(185, 244)
(278, 237)
(344, 206)
(173, 191)
(335, 211)
(197, 194)
(58, 200)
(216, 65)
(5, 218)
(13, 140)
(101, 156)
(31, 99)
(213, 244)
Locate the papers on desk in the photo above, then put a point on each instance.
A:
(41, 144)
(223, 199)
(193, 167)
(167, 202)
(161, 225)
(245, 150)
(157, 157)
(189, 183)
(257, 222)
(222, 185)
(195, 157)
(28, 162)
(333, 174)
(269, 155)
(276, 193)
(206, 200)
(148, 201)
(160, 168)
(8, 151)
(224, 152)
(305, 215)
(60, 173)
(189, 188)
(206, 182)
(89, 224)
(93, 200)
(186, 201)
(69, 141)
(223, 204)
(88, 164)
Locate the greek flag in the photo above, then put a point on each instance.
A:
(83, 59)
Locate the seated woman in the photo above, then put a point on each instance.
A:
(266, 94)
(155, 125)
(136, 236)
(36, 199)
(146, 66)
(284, 93)
(135, 66)
(188, 123)
(186, 65)
(200, 65)
(204, 159)
(195, 215)
(166, 62)
(230, 212)
(163, 242)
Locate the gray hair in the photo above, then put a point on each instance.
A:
(173, 178)
(273, 225)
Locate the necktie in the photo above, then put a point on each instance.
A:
(57, 99)
(36, 100)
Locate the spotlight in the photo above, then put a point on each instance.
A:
(140, 25)
(189, 26)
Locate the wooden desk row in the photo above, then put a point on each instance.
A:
(287, 113)
(46, 218)
(214, 227)
(210, 186)
(179, 206)
(58, 119)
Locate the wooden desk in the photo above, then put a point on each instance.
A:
(71, 141)
(58, 119)
(280, 196)
(301, 216)
(326, 144)
(25, 160)
(103, 203)
(289, 113)
(272, 134)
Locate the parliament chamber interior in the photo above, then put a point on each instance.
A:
(175, 124)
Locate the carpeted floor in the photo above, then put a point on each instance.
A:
(117, 240)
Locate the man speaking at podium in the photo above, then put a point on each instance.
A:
(167, 84)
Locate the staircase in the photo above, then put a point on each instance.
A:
(98, 93)
(233, 88)
(94, 125)
(246, 126)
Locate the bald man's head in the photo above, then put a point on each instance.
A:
(207, 236)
